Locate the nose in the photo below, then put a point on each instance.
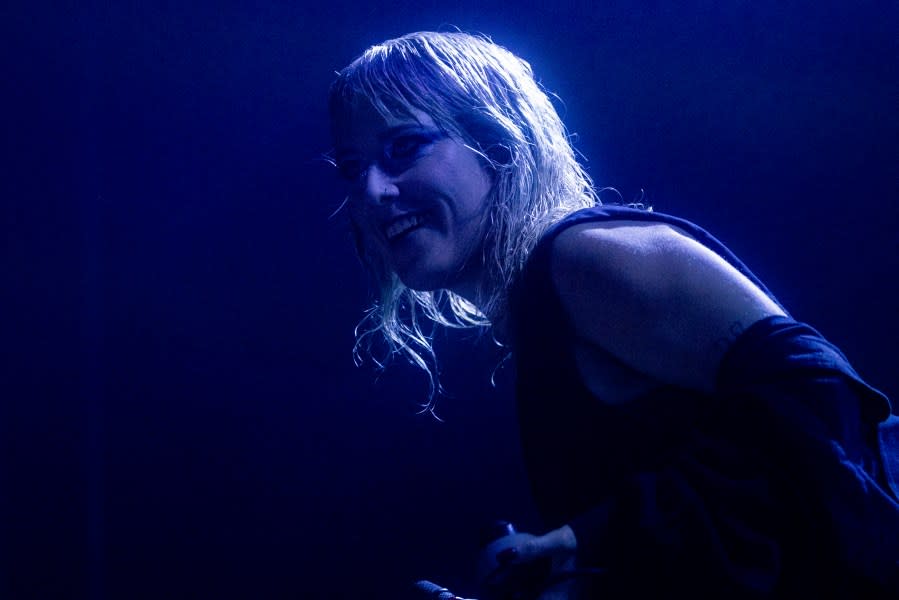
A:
(379, 187)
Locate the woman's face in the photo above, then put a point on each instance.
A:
(418, 196)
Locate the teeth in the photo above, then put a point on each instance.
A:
(402, 226)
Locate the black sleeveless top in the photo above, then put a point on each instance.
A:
(772, 486)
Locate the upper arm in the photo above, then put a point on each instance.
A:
(655, 298)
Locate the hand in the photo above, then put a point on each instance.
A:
(560, 545)
(524, 563)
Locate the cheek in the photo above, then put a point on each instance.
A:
(368, 245)
(476, 183)
(355, 211)
(360, 216)
(478, 193)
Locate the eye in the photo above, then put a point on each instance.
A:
(406, 147)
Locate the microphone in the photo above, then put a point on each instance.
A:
(434, 591)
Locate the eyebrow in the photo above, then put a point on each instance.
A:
(390, 133)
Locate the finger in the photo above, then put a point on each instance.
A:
(555, 543)
(525, 551)
(563, 539)
(506, 556)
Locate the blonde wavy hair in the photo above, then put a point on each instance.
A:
(486, 96)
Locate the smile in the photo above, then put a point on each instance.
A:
(403, 225)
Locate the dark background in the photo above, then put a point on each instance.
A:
(181, 417)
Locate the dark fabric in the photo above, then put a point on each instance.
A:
(770, 487)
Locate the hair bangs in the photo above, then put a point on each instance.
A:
(397, 79)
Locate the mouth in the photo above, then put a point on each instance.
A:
(401, 226)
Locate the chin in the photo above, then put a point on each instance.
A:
(423, 282)
(430, 274)
(457, 281)
(427, 277)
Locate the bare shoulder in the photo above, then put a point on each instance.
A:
(654, 297)
(619, 249)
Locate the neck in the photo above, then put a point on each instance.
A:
(470, 292)
(476, 286)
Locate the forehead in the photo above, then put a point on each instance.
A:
(362, 127)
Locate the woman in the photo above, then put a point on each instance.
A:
(680, 430)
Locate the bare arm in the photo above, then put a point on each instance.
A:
(655, 298)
